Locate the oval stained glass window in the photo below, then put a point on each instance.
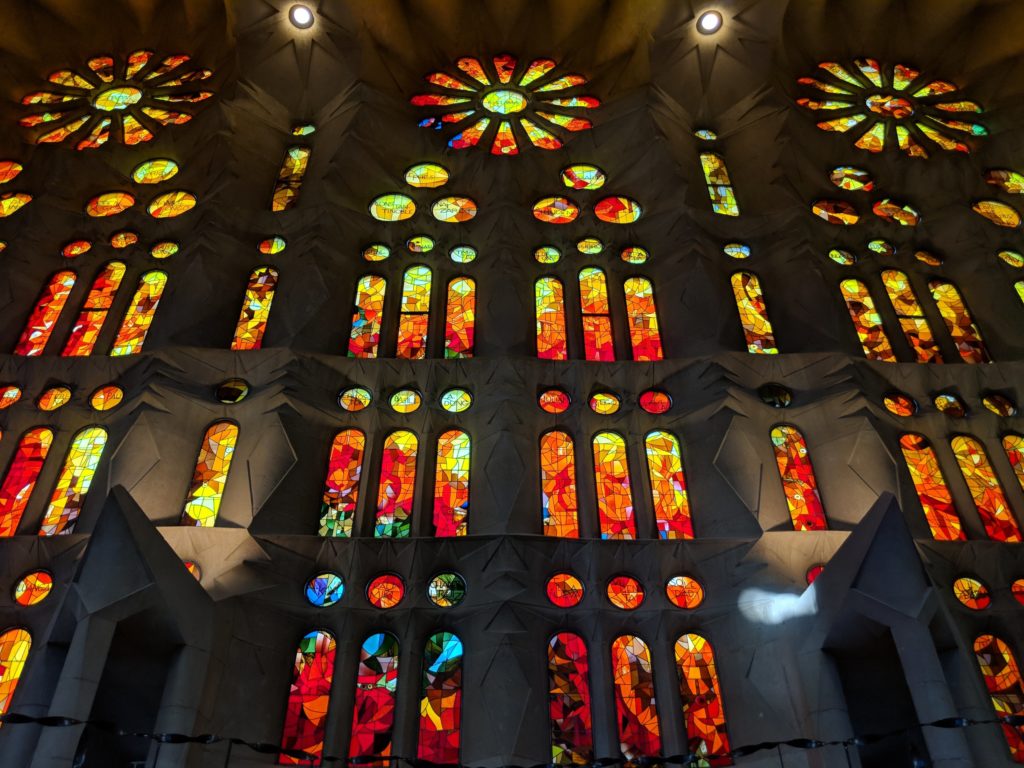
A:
(655, 401)
(625, 592)
(405, 400)
(684, 592)
(838, 212)
(547, 254)
(456, 400)
(426, 176)
(618, 210)
(736, 250)
(604, 403)
(555, 210)
(1000, 405)
(75, 248)
(972, 593)
(325, 589)
(385, 591)
(453, 210)
(882, 247)
(899, 404)
(272, 246)
(446, 590)
(705, 134)
(354, 399)
(852, 179)
(123, 239)
(171, 204)
(841, 257)
(951, 405)
(583, 177)
(393, 207)
(9, 170)
(53, 398)
(9, 395)
(163, 249)
(462, 254)
(109, 204)
(902, 214)
(33, 588)
(376, 252)
(1013, 258)
(775, 395)
(554, 401)
(589, 246)
(420, 244)
(1000, 214)
(926, 257)
(634, 254)
(106, 398)
(232, 391)
(1017, 589)
(564, 590)
(154, 171)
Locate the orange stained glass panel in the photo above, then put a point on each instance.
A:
(414, 319)
(45, 314)
(305, 720)
(366, 319)
(958, 320)
(139, 317)
(552, 340)
(597, 324)
(21, 477)
(397, 485)
(86, 330)
(252, 322)
(451, 484)
(341, 489)
(289, 180)
(614, 496)
(668, 486)
(703, 711)
(635, 708)
(33, 588)
(993, 508)
(753, 314)
(798, 481)
(558, 485)
(1014, 447)
(15, 645)
(912, 320)
(1001, 674)
(642, 316)
(441, 700)
(867, 322)
(572, 740)
(211, 475)
(460, 318)
(939, 511)
(74, 481)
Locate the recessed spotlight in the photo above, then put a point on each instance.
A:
(302, 17)
(709, 22)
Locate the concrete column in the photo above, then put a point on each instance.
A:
(179, 707)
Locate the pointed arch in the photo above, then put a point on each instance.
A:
(614, 494)
(211, 475)
(364, 339)
(750, 302)
(572, 740)
(635, 706)
(596, 315)
(414, 315)
(341, 488)
(987, 492)
(962, 328)
(139, 317)
(15, 645)
(373, 716)
(552, 338)
(45, 314)
(305, 719)
(86, 330)
(460, 318)
(21, 477)
(912, 320)
(74, 481)
(642, 316)
(558, 485)
(798, 480)
(703, 709)
(397, 485)
(936, 501)
(252, 320)
(441, 700)
(1001, 673)
(867, 321)
(451, 484)
(668, 485)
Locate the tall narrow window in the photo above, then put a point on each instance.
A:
(87, 327)
(642, 314)
(252, 322)
(614, 496)
(552, 340)
(635, 709)
(414, 319)
(798, 479)
(139, 317)
(14, 647)
(866, 321)
(451, 484)
(460, 318)
(369, 310)
(73, 483)
(211, 475)
(986, 491)
(753, 314)
(1006, 690)
(703, 711)
(289, 180)
(939, 511)
(912, 320)
(958, 320)
(373, 718)
(441, 704)
(1014, 447)
(723, 198)
(397, 485)
(597, 322)
(45, 314)
(341, 489)
(20, 480)
(558, 485)
(668, 486)
(572, 741)
(305, 719)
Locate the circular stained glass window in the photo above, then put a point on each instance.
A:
(385, 591)
(625, 592)
(462, 254)
(354, 399)
(899, 404)
(547, 254)
(564, 590)
(54, 398)
(33, 588)
(405, 400)
(420, 244)
(164, 249)
(456, 400)
(554, 401)
(972, 593)
(193, 567)
(325, 589)
(106, 398)
(1000, 405)
(775, 395)
(446, 590)
(634, 254)
(813, 573)
(1017, 588)
(9, 395)
(232, 391)
(272, 246)
(684, 592)
(655, 401)
(737, 250)
(604, 403)
(376, 252)
(951, 405)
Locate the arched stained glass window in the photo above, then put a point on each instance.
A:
(614, 496)
(597, 322)
(15, 645)
(552, 341)
(939, 511)
(45, 314)
(1014, 447)
(397, 485)
(20, 480)
(635, 709)
(87, 327)
(867, 322)
(703, 710)
(798, 481)
(139, 317)
(911, 316)
(451, 484)
(73, 483)
(558, 485)
(305, 719)
(961, 327)
(994, 510)
(723, 198)
(211, 475)
(572, 741)
(252, 322)
(289, 180)
(753, 314)
(414, 319)
(1002, 678)
(441, 703)
(668, 486)
(373, 718)
(341, 489)
(642, 315)
(460, 318)
(366, 319)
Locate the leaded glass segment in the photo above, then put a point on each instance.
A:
(373, 716)
(451, 484)
(558, 485)
(911, 316)
(397, 485)
(642, 316)
(414, 316)
(45, 314)
(867, 322)
(86, 330)
(635, 707)
(614, 494)
(552, 339)
(305, 720)
(460, 318)
(798, 480)
(595, 312)
(932, 492)
(572, 741)
(252, 321)
(987, 492)
(74, 481)
(441, 700)
(211, 475)
(139, 317)
(753, 314)
(364, 340)
(341, 488)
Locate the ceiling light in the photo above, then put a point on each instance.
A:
(300, 16)
(709, 22)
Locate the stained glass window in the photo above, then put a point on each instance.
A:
(325, 589)
(614, 496)
(1014, 446)
(211, 475)
(373, 718)
(703, 711)
(441, 702)
(798, 479)
(397, 485)
(642, 316)
(625, 592)
(912, 321)
(723, 199)
(552, 340)
(415, 314)
(558, 485)
(961, 327)
(33, 588)
(867, 321)
(446, 590)
(572, 741)
(369, 311)
(15, 645)
(341, 489)
(668, 486)
(753, 314)
(1001, 673)
(385, 591)
(597, 323)
(635, 709)
(460, 318)
(139, 317)
(305, 719)
(45, 314)
(89, 323)
(939, 511)
(73, 483)
(684, 592)
(972, 593)
(252, 321)
(20, 480)
(289, 180)
(995, 512)
(451, 484)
